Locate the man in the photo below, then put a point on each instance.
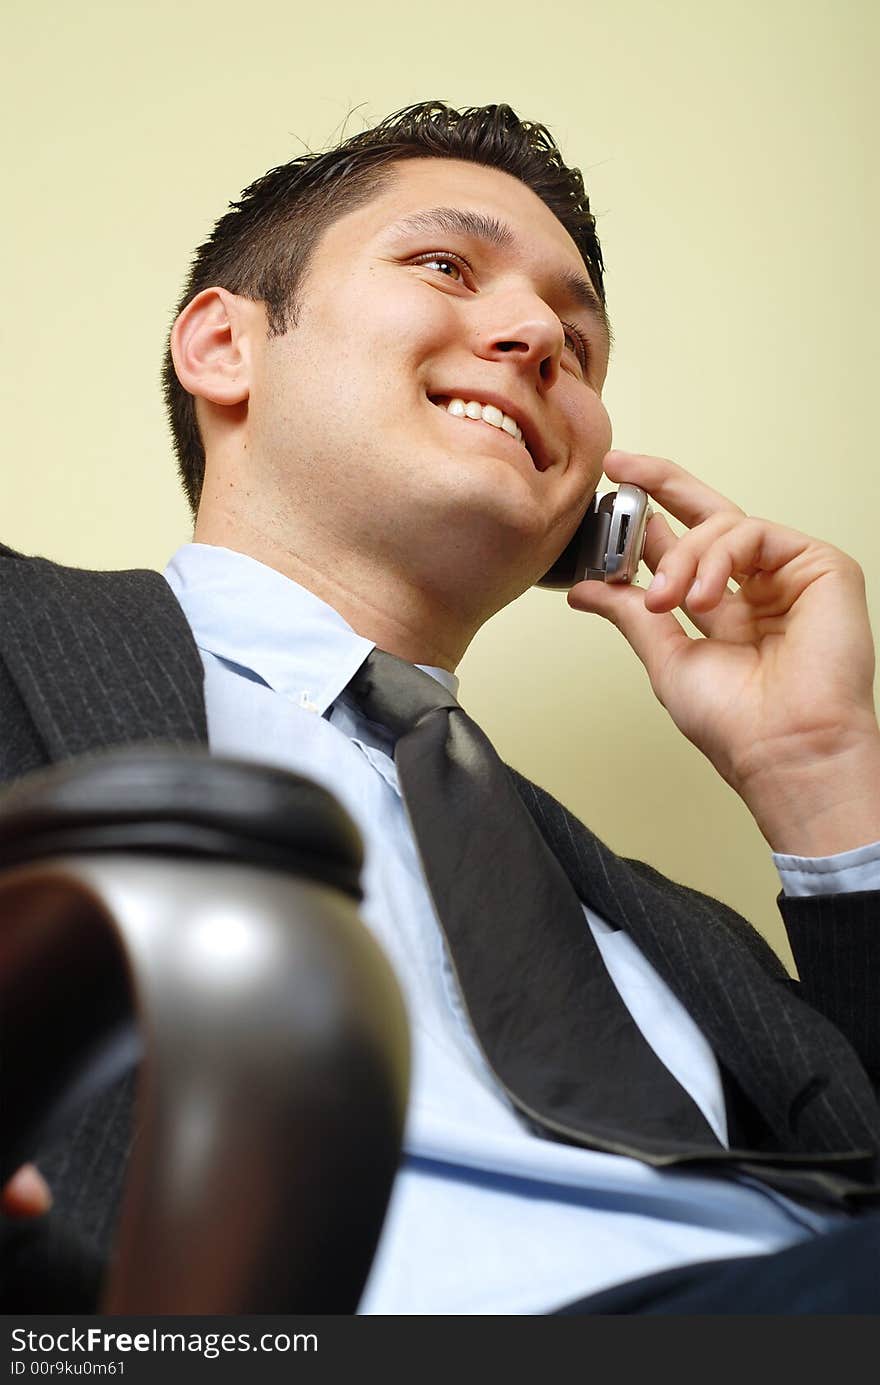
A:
(343, 501)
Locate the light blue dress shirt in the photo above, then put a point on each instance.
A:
(485, 1217)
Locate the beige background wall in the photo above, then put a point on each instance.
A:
(726, 151)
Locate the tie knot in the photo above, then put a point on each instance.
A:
(396, 694)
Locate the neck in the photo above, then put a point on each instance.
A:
(398, 613)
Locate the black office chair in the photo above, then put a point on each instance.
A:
(205, 909)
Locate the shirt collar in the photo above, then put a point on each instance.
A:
(254, 617)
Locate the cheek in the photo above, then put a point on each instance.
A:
(384, 336)
(407, 316)
(606, 433)
(592, 434)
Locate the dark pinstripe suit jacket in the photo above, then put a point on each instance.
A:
(89, 660)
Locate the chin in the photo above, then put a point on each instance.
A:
(499, 493)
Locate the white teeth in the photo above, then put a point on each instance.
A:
(488, 413)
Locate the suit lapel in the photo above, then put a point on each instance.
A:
(794, 1065)
(99, 658)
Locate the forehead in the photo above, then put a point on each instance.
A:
(421, 184)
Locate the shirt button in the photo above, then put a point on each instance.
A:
(305, 701)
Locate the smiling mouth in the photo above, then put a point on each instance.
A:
(440, 401)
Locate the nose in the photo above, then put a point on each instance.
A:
(521, 325)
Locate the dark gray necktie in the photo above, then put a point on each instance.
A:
(546, 1013)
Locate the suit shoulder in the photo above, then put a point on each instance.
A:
(36, 589)
(7, 552)
(41, 567)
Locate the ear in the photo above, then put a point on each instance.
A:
(210, 346)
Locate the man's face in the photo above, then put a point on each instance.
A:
(346, 415)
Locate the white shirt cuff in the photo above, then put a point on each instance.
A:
(844, 873)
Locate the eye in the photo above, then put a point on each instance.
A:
(443, 259)
(581, 346)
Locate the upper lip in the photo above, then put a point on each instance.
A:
(531, 435)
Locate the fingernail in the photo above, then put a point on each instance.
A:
(658, 582)
(694, 591)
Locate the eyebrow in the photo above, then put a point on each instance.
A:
(462, 222)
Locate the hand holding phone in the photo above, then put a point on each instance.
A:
(775, 686)
(608, 544)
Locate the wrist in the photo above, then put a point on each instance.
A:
(819, 804)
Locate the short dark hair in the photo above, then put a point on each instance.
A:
(262, 246)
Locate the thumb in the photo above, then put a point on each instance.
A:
(655, 636)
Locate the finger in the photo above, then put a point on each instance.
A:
(679, 565)
(654, 636)
(26, 1194)
(677, 490)
(660, 540)
(660, 537)
(751, 547)
(714, 570)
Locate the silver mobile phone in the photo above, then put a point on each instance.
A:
(608, 544)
